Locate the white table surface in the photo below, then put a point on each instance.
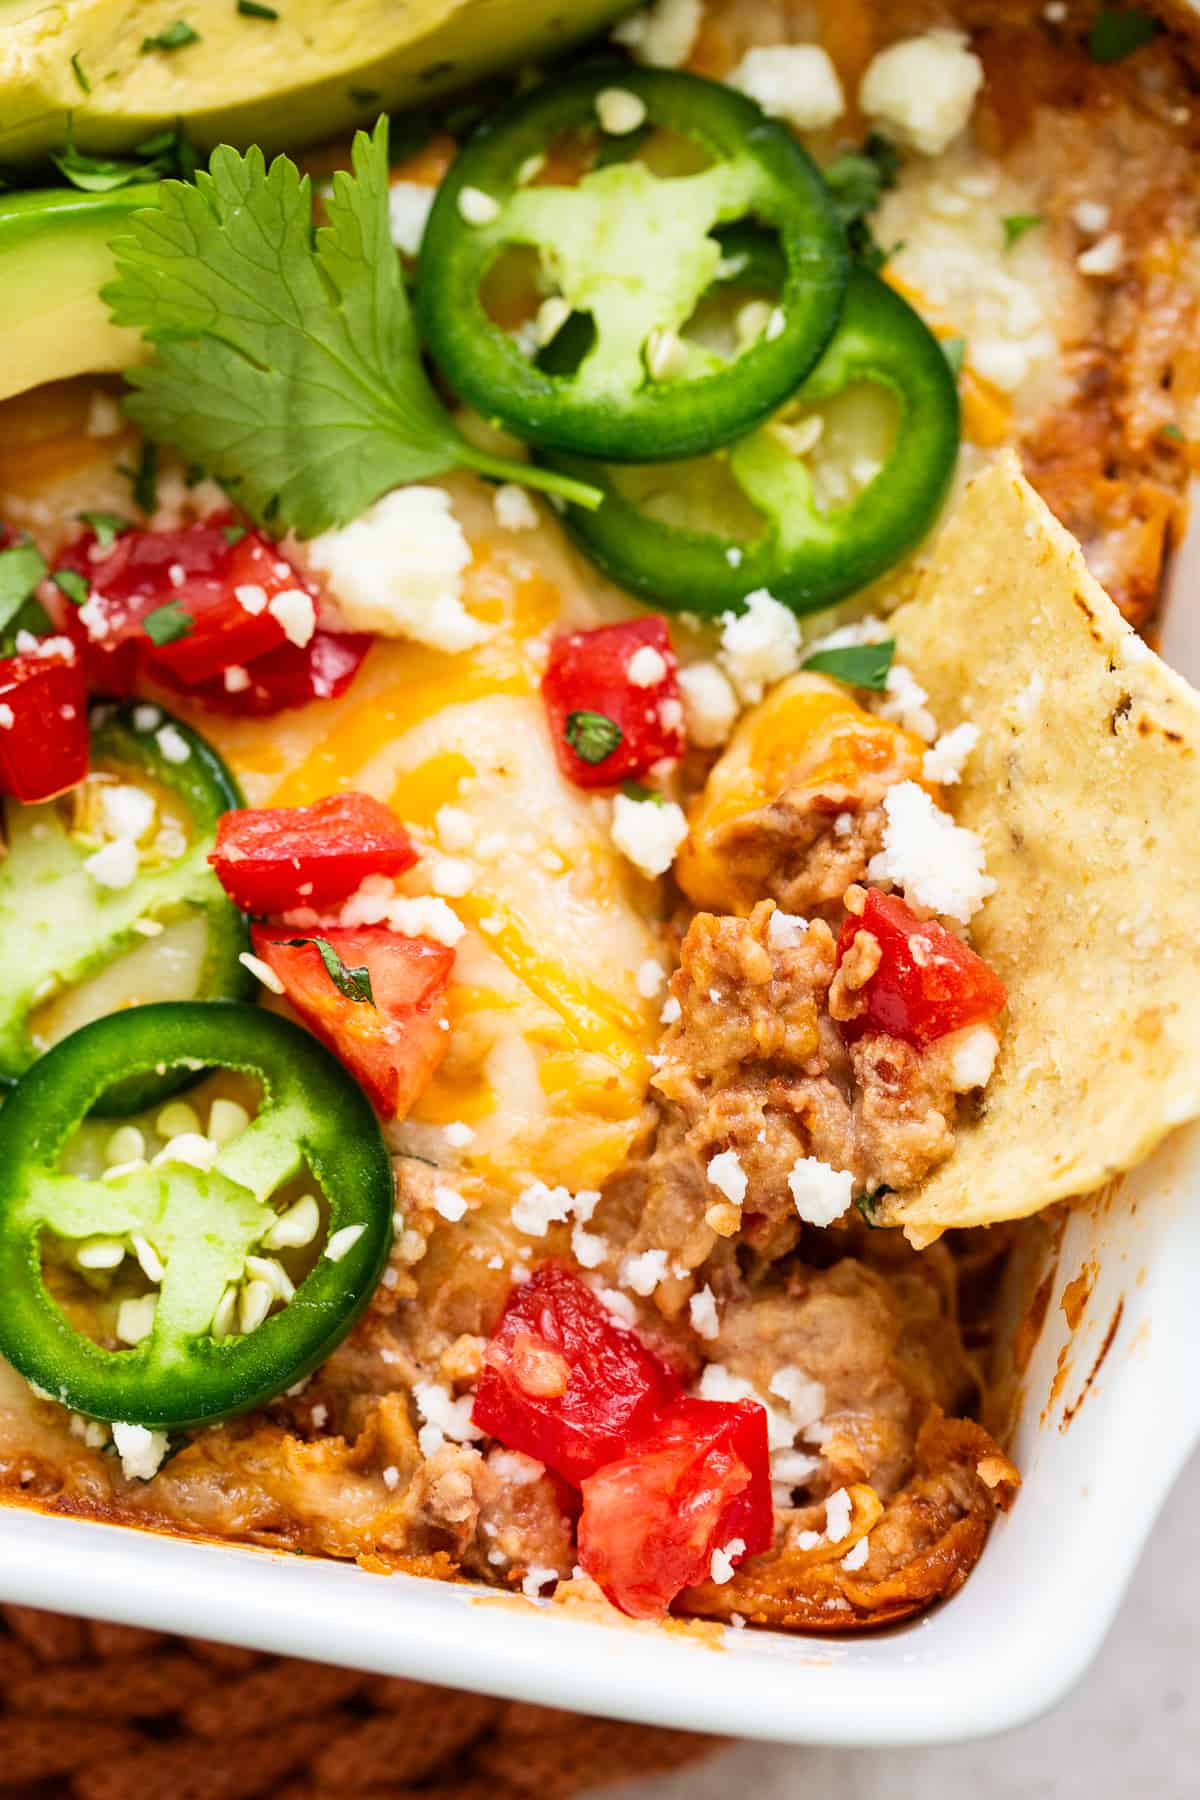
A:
(1131, 1729)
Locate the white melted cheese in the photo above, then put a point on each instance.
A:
(1010, 304)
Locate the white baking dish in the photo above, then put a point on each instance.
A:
(1099, 1447)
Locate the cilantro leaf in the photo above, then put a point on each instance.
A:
(354, 984)
(1016, 225)
(167, 623)
(144, 479)
(172, 37)
(107, 526)
(289, 363)
(31, 617)
(637, 790)
(167, 154)
(1117, 31)
(71, 583)
(233, 534)
(251, 9)
(868, 1206)
(21, 568)
(858, 665)
(592, 735)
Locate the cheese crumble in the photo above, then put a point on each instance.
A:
(937, 863)
(710, 705)
(663, 34)
(648, 832)
(760, 645)
(821, 1193)
(409, 206)
(141, 1451)
(397, 571)
(945, 762)
(921, 91)
(796, 82)
(727, 1175)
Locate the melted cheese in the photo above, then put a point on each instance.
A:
(548, 1035)
(808, 738)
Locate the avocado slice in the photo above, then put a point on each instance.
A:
(312, 72)
(54, 259)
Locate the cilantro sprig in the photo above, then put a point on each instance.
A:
(288, 362)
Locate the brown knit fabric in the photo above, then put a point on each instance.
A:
(111, 1712)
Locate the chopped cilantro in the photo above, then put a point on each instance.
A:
(21, 568)
(312, 335)
(167, 623)
(954, 349)
(144, 479)
(592, 735)
(233, 534)
(1173, 434)
(858, 665)
(107, 526)
(1117, 31)
(354, 984)
(78, 71)
(172, 37)
(251, 9)
(169, 153)
(31, 617)
(857, 180)
(71, 583)
(637, 790)
(1016, 225)
(868, 1206)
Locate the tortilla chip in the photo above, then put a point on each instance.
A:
(1085, 789)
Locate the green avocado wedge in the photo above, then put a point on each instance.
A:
(237, 75)
(54, 259)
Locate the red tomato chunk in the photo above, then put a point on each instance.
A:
(43, 724)
(291, 676)
(392, 1043)
(928, 982)
(588, 679)
(564, 1381)
(230, 648)
(269, 859)
(697, 1481)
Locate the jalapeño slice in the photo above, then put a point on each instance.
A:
(630, 254)
(77, 939)
(662, 546)
(194, 1364)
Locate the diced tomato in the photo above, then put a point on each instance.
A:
(698, 1480)
(390, 1044)
(43, 724)
(588, 673)
(928, 982)
(287, 677)
(269, 859)
(563, 1381)
(196, 570)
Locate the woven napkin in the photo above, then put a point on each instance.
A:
(110, 1712)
